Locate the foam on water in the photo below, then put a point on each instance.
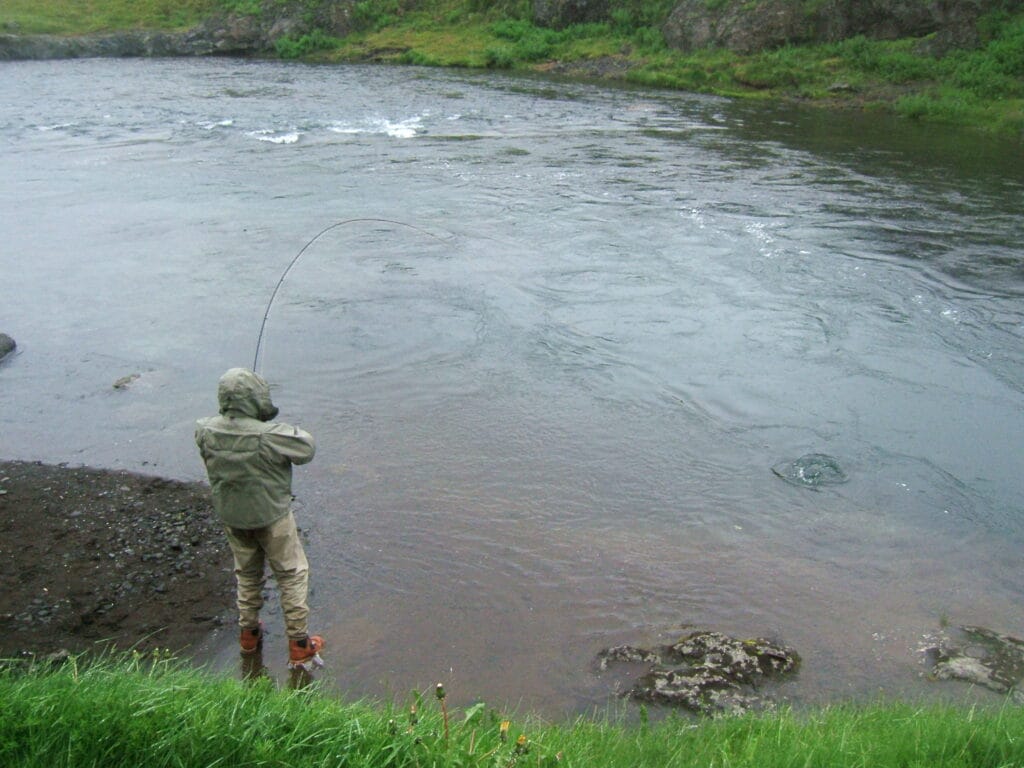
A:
(400, 129)
(210, 125)
(274, 137)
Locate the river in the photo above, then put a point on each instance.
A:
(548, 394)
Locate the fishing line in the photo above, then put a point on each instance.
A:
(295, 259)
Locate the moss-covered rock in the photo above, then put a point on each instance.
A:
(980, 656)
(706, 672)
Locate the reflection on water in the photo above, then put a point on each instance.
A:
(549, 427)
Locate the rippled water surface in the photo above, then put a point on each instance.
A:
(547, 422)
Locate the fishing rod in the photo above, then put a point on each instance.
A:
(295, 259)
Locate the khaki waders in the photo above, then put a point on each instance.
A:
(277, 545)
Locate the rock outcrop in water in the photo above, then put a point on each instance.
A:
(7, 345)
(980, 656)
(707, 672)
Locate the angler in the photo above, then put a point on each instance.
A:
(249, 462)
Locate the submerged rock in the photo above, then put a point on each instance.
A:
(981, 656)
(125, 381)
(626, 653)
(707, 672)
(7, 345)
(811, 470)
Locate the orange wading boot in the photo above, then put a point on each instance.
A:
(304, 652)
(250, 640)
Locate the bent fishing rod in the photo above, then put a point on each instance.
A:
(295, 259)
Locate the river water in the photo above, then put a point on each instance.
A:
(547, 414)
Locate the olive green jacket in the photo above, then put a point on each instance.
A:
(249, 458)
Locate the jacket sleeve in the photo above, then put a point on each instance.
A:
(200, 430)
(294, 444)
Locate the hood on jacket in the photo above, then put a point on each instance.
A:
(240, 391)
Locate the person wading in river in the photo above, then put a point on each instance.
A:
(249, 462)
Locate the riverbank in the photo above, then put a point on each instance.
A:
(974, 78)
(125, 712)
(100, 558)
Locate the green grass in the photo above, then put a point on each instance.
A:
(982, 88)
(126, 712)
(87, 16)
(451, 34)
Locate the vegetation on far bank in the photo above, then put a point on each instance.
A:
(79, 17)
(982, 87)
(129, 712)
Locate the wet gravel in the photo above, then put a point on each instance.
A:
(95, 558)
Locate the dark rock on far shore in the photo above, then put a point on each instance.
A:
(747, 28)
(117, 45)
(558, 14)
(219, 35)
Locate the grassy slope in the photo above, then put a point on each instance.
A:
(86, 16)
(983, 88)
(122, 713)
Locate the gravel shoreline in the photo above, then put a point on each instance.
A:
(101, 558)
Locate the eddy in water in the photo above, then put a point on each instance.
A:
(811, 471)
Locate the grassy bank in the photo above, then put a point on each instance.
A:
(77, 17)
(982, 88)
(123, 713)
